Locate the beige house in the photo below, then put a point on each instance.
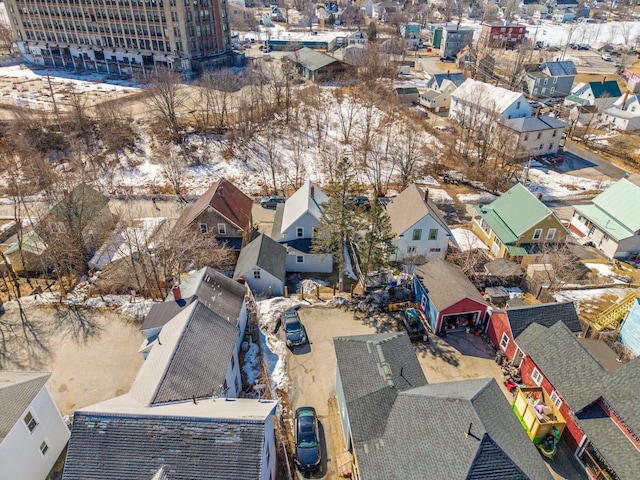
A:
(517, 224)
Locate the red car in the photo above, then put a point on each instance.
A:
(556, 159)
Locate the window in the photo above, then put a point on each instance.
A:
(233, 362)
(411, 249)
(537, 233)
(299, 259)
(536, 376)
(204, 228)
(504, 341)
(222, 229)
(517, 105)
(433, 234)
(526, 137)
(555, 398)
(44, 447)
(552, 90)
(300, 232)
(551, 146)
(30, 421)
(256, 274)
(417, 234)
(539, 135)
(435, 250)
(555, 133)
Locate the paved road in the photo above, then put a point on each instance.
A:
(602, 166)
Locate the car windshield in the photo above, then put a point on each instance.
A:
(306, 434)
(412, 317)
(293, 327)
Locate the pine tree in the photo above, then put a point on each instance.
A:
(376, 245)
(340, 221)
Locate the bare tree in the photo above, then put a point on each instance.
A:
(165, 100)
(7, 39)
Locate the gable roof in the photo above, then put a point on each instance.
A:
(627, 100)
(513, 213)
(17, 391)
(385, 392)
(491, 96)
(546, 314)
(119, 439)
(220, 293)
(606, 89)
(81, 204)
(556, 69)
(312, 60)
(582, 380)
(265, 253)
(446, 284)
(226, 199)
(615, 210)
(373, 369)
(307, 199)
(410, 207)
(191, 358)
(161, 312)
(456, 78)
(534, 124)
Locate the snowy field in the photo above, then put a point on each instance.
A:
(467, 240)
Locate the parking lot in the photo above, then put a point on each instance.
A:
(312, 368)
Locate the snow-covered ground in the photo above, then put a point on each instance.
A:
(476, 198)
(555, 186)
(467, 240)
(583, 296)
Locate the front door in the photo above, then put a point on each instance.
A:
(517, 358)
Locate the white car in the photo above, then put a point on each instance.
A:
(606, 57)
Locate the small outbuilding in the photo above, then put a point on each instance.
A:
(447, 297)
(317, 66)
(262, 265)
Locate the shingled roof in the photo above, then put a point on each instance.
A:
(190, 360)
(226, 199)
(395, 417)
(119, 439)
(446, 284)
(410, 207)
(546, 314)
(17, 391)
(265, 253)
(582, 381)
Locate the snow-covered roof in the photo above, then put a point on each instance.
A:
(493, 97)
(534, 124)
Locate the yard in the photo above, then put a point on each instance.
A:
(312, 369)
(91, 353)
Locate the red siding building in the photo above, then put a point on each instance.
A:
(500, 35)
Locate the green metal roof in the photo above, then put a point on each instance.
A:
(606, 89)
(513, 213)
(574, 98)
(31, 242)
(516, 250)
(621, 201)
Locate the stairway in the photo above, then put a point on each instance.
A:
(611, 317)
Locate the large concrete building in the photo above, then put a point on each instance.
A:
(122, 36)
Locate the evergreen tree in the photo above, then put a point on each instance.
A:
(372, 31)
(340, 221)
(375, 248)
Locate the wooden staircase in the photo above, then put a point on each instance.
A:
(611, 317)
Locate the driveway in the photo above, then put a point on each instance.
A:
(92, 354)
(312, 369)
(587, 164)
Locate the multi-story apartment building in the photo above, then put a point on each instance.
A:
(122, 36)
(502, 35)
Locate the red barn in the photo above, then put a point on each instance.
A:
(505, 325)
(596, 394)
(502, 35)
(447, 297)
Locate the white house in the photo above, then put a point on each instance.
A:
(419, 227)
(262, 265)
(439, 90)
(624, 115)
(611, 221)
(537, 135)
(357, 38)
(293, 226)
(601, 95)
(488, 100)
(32, 431)
(216, 438)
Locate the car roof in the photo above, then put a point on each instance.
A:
(305, 411)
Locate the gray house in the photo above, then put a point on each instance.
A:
(455, 39)
(551, 79)
(262, 265)
(396, 423)
(318, 67)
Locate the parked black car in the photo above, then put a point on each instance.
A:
(413, 323)
(307, 455)
(293, 329)
(362, 201)
(272, 201)
(448, 58)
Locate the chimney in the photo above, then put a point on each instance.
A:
(426, 195)
(603, 79)
(221, 190)
(194, 400)
(539, 196)
(624, 100)
(177, 295)
(448, 73)
(313, 191)
(537, 112)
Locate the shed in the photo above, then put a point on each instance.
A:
(447, 297)
(317, 66)
(408, 94)
(496, 295)
(262, 265)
